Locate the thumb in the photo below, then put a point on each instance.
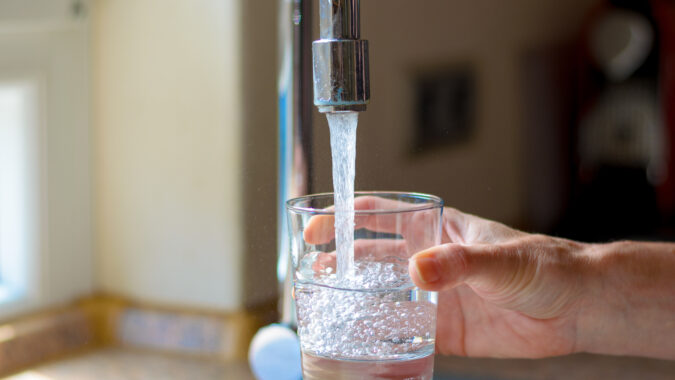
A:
(487, 267)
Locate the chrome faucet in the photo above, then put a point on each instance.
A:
(341, 83)
(341, 77)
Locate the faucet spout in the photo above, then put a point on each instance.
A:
(340, 59)
(339, 19)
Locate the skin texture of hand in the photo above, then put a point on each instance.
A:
(503, 293)
(506, 293)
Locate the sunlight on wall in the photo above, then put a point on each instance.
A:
(167, 151)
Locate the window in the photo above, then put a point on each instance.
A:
(45, 156)
(19, 186)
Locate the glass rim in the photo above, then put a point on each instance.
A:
(433, 203)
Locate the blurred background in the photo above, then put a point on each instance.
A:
(138, 171)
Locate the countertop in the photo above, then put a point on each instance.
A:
(125, 364)
(131, 364)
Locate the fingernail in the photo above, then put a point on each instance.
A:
(427, 266)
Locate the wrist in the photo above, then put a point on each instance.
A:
(628, 306)
(596, 306)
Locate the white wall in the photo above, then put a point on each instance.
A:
(167, 151)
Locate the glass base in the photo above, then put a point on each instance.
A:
(320, 368)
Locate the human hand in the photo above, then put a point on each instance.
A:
(506, 293)
(503, 293)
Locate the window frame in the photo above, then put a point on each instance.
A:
(20, 284)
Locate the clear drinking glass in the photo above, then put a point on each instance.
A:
(374, 323)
